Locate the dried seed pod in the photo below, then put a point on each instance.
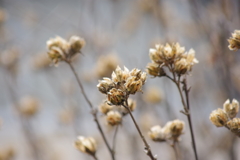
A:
(234, 41)
(157, 133)
(231, 108)
(234, 124)
(86, 145)
(105, 85)
(218, 117)
(116, 96)
(114, 118)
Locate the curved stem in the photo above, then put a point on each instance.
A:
(147, 147)
(94, 112)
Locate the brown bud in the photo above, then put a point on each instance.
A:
(155, 70)
(132, 85)
(76, 43)
(234, 41)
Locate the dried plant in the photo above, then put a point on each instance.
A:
(226, 117)
(174, 59)
(61, 50)
(122, 84)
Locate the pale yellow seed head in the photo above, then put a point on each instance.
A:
(105, 108)
(234, 124)
(116, 96)
(231, 108)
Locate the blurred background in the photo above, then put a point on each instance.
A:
(117, 32)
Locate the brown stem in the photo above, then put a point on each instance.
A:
(94, 112)
(186, 90)
(186, 105)
(175, 149)
(114, 139)
(147, 147)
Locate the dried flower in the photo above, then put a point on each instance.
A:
(157, 133)
(155, 70)
(122, 84)
(116, 96)
(234, 41)
(114, 118)
(29, 106)
(105, 85)
(86, 145)
(218, 117)
(76, 43)
(231, 108)
(234, 124)
(105, 108)
(172, 57)
(153, 95)
(61, 50)
(175, 128)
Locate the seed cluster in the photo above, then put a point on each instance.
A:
(122, 84)
(172, 57)
(226, 116)
(61, 50)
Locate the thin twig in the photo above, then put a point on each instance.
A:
(147, 147)
(94, 112)
(114, 139)
(186, 90)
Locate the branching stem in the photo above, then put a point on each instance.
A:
(94, 112)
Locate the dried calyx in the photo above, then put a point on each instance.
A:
(122, 84)
(61, 50)
(173, 57)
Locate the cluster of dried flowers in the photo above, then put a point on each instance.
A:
(172, 57)
(114, 114)
(122, 84)
(86, 145)
(171, 131)
(234, 41)
(226, 116)
(61, 50)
